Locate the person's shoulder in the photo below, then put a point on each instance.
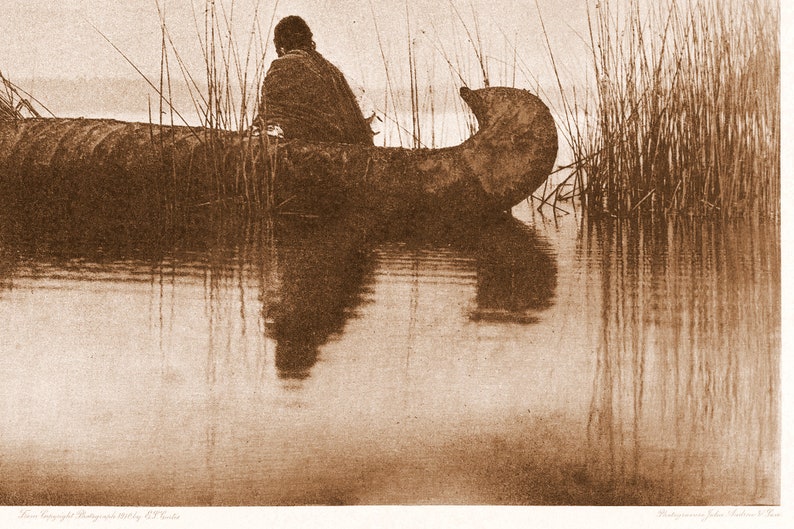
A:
(288, 61)
(317, 59)
(292, 56)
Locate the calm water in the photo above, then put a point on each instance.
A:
(534, 361)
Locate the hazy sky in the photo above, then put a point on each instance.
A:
(55, 38)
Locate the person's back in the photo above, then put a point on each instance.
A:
(306, 96)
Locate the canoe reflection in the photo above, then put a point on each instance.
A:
(514, 267)
(308, 277)
(516, 273)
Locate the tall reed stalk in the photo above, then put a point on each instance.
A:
(223, 100)
(13, 101)
(688, 102)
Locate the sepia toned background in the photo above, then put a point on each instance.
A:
(393, 391)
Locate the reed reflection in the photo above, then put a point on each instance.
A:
(7, 267)
(306, 275)
(685, 406)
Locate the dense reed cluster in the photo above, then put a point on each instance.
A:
(687, 109)
(232, 41)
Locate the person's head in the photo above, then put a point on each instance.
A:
(292, 33)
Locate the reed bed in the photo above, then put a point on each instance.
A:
(232, 40)
(687, 109)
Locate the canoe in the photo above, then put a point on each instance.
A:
(68, 167)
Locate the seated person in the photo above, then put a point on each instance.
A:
(305, 96)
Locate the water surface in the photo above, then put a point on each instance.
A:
(532, 361)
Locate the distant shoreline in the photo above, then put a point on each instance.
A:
(121, 97)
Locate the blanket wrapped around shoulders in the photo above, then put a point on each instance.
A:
(309, 98)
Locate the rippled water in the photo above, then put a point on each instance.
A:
(533, 361)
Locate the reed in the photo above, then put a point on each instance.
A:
(8, 108)
(15, 103)
(687, 109)
(223, 99)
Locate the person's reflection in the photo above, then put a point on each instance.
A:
(8, 264)
(322, 271)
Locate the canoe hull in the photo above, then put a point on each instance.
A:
(70, 165)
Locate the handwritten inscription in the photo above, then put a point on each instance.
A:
(63, 515)
(718, 514)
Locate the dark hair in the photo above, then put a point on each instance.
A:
(292, 33)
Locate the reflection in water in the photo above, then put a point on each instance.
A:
(514, 269)
(686, 385)
(179, 363)
(516, 273)
(314, 275)
(310, 275)
(322, 272)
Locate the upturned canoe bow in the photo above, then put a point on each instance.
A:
(101, 163)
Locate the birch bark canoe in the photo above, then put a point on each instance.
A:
(79, 166)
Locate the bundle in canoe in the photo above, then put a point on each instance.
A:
(70, 165)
